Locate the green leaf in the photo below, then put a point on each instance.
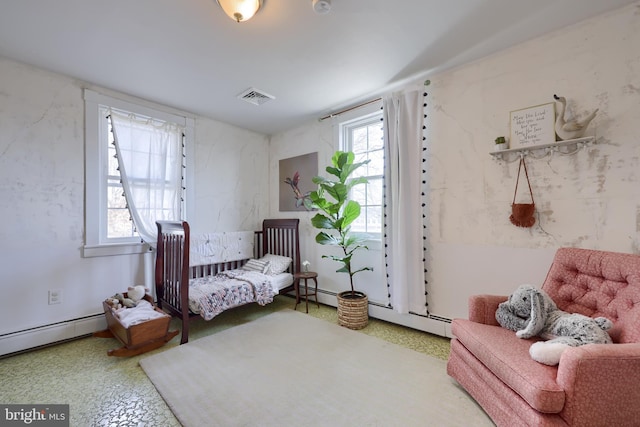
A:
(363, 269)
(343, 269)
(333, 171)
(338, 191)
(348, 167)
(308, 204)
(348, 170)
(326, 239)
(319, 179)
(356, 239)
(357, 181)
(322, 222)
(350, 213)
(339, 159)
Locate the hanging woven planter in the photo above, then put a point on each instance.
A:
(353, 309)
(522, 214)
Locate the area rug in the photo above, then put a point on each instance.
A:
(290, 369)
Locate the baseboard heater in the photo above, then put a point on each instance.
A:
(433, 324)
(40, 336)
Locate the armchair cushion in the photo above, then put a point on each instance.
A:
(508, 359)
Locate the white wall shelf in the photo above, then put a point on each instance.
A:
(539, 151)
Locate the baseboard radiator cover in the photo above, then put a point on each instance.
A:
(28, 339)
(436, 325)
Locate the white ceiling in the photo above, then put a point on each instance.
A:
(189, 55)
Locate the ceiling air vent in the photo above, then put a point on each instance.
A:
(255, 96)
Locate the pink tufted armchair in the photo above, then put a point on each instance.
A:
(593, 385)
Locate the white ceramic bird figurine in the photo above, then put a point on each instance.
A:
(571, 129)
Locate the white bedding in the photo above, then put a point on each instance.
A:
(281, 281)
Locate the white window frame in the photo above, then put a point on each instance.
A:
(356, 118)
(96, 241)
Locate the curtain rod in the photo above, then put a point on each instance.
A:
(426, 83)
(349, 109)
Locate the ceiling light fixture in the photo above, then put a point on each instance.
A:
(321, 7)
(240, 10)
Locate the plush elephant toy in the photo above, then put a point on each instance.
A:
(531, 312)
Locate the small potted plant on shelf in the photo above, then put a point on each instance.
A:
(501, 143)
(337, 214)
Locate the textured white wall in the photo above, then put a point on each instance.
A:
(42, 198)
(231, 190)
(590, 200)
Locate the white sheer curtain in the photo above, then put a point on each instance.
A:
(150, 162)
(404, 255)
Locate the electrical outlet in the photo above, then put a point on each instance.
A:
(55, 296)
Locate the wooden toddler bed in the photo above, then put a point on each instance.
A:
(184, 290)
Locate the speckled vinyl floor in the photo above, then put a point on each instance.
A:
(111, 391)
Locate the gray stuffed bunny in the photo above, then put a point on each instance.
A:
(531, 312)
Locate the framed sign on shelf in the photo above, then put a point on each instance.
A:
(533, 126)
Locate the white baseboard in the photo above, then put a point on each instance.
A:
(437, 326)
(49, 334)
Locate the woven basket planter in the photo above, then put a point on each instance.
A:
(353, 310)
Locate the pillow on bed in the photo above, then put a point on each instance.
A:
(279, 264)
(257, 265)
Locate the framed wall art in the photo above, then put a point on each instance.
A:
(295, 177)
(533, 126)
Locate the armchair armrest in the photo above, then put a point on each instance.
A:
(601, 384)
(482, 308)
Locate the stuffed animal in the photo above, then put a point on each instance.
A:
(113, 303)
(124, 302)
(531, 312)
(134, 296)
(136, 293)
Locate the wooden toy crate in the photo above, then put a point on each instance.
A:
(138, 338)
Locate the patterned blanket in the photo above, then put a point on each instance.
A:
(211, 295)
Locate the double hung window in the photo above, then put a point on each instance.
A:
(109, 226)
(364, 136)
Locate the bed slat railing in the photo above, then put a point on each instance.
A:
(257, 244)
(281, 236)
(172, 279)
(196, 271)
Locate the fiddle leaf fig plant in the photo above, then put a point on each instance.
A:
(338, 212)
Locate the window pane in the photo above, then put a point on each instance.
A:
(112, 161)
(358, 193)
(115, 199)
(374, 219)
(374, 191)
(119, 224)
(362, 170)
(359, 138)
(376, 166)
(360, 224)
(376, 141)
